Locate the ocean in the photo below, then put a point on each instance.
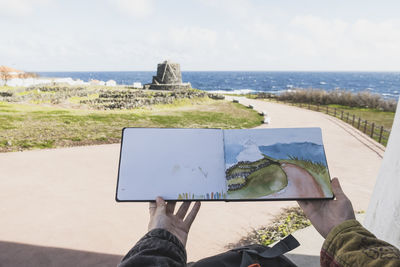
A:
(386, 84)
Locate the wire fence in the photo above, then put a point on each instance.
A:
(373, 130)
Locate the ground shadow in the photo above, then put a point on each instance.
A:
(304, 260)
(16, 254)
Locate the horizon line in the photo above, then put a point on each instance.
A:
(219, 71)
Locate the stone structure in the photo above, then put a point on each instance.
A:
(168, 77)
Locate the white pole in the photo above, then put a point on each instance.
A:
(383, 214)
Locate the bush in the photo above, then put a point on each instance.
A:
(289, 221)
(336, 97)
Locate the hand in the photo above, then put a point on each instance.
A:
(162, 216)
(326, 214)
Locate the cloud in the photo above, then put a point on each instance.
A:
(363, 43)
(238, 8)
(192, 37)
(20, 7)
(135, 8)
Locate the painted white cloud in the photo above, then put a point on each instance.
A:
(135, 8)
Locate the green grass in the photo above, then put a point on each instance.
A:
(262, 182)
(24, 126)
(376, 116)
(384, 118)
(379, 117)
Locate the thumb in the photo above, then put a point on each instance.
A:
(161, 205)
(337, 189)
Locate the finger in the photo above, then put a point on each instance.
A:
(183, 210)
(192, 214)
(152, 207)
(337, 189)
(170, 207)
(161, 205)
(303, 204)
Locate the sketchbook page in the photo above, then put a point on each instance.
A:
(172, 163)
(286, 163)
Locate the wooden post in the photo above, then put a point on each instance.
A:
(380, 134)
(359, 123)
(372, 129)
(347, 117)
(354, 118)
(341, 116)
(335, 112)
(317, 107)
(365, 126)
(327, 109)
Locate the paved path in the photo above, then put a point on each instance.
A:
(58, 205)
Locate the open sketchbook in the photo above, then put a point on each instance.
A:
(215, 164)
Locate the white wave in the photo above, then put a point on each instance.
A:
(236, 92)
(322, 82)
(25, 82)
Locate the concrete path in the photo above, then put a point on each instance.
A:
(58, 205)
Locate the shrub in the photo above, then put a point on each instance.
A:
(337, 97)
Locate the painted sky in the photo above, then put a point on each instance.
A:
(263, 137)
(117, 35)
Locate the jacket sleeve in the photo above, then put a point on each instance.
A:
(157, 248)
(350, 244)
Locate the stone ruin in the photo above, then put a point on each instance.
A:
(169, 77)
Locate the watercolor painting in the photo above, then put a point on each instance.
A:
(278, 163)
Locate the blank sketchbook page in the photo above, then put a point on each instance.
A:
(170, 163)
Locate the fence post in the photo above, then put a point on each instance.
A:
(359, 123)
(317, 107)
(365, 126)
(335, 112)
(380, 134)
(354, 118)
(347, 117)
(372, 129)
(327, 109)
(341, 116)
(309, 105)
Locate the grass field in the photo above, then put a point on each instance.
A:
(379, 117)
(372, 116)
(262, 182)
(384, 118)
(30, 126)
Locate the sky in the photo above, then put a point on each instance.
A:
(134, 35)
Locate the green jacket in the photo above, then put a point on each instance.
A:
(350, 244)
